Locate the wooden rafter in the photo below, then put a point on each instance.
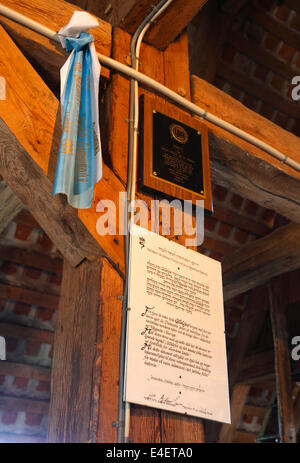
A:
(130, 13)
(265, 258)
(286, 420)
(24, 332)
(17, 404)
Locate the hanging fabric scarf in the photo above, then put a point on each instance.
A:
(79, 164)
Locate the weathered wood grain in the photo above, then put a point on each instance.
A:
(74, 356)
(49, 54)
(264, 258)
(237, 402)
(57, 218)
(130, 13)
(286, 420)
(27, 296)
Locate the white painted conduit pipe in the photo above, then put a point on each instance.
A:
(124, 415)
(157, 87)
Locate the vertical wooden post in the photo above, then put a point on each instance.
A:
(73, 378)
(286, 420)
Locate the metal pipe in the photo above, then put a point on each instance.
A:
(135, 46)
(161, 89)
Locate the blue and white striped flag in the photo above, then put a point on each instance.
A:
(79, 165)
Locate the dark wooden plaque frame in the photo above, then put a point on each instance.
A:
(148, 107)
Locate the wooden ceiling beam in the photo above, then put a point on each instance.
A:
(10, 205)
(48, 54)
(258, 262)
(130, 13)
(242, 167)
(28, 296)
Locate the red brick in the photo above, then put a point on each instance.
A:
(282, 120)
(236, 201)
(228, 53)
(8, 268)
(32, 347)
(32, 273)
(271, 42)
(45, 314)
(219, 83)
(286, 52)
(219, 193)
(215, 255)
(256, 392)
(282, 13)
(235, 92)
(277, 83)
(33, 419)
(260, 73)
(55, 279)
(266, 110)
(11, 344)
(247, 419)
(241, 236)
(43, 386)
(295, 22)
(45, 242)
(2, 304)
(22, 309)
(251, 208)
(22, 232)
(210, 223)
(9, 417)
(21, 383)
(224, 230)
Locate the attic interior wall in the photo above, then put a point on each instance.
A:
(221, 238)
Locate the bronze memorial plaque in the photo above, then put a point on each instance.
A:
(174, 153)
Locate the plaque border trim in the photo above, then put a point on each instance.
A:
(148, 106)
